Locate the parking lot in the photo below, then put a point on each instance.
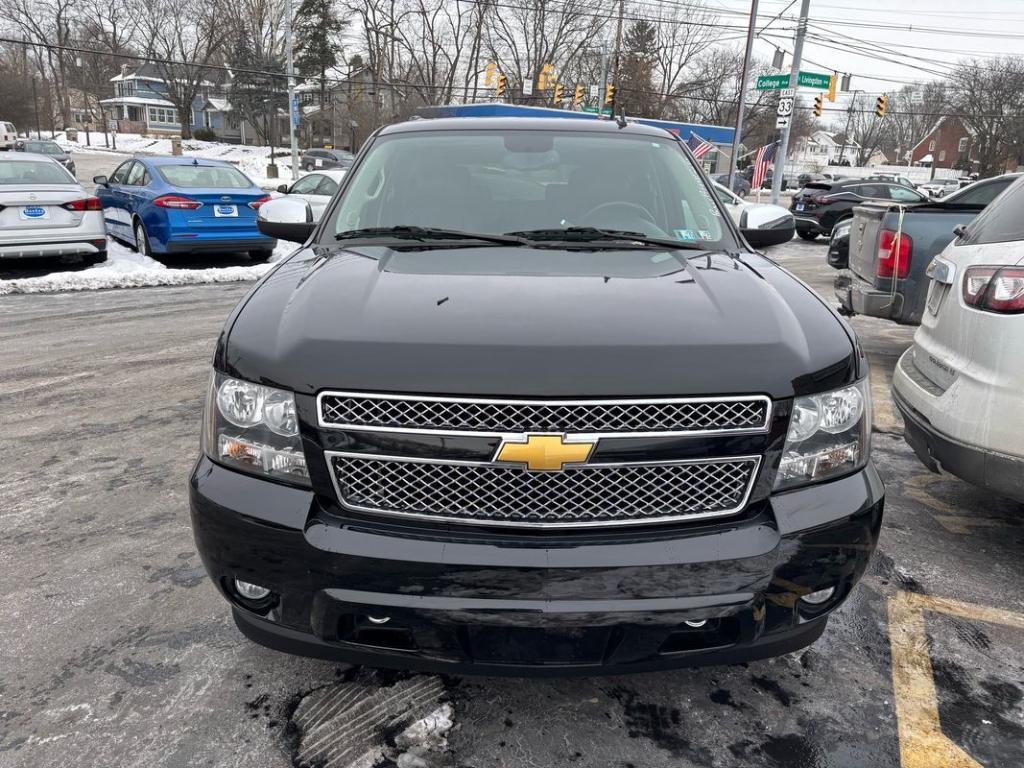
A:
(120, 652)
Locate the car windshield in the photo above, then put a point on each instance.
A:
(496, 182)
(43, 148)
(32, 172)
(215, 176)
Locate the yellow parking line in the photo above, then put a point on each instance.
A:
(922, 742)
(885, 416)
(962, 524)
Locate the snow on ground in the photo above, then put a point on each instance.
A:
(124, 268)
(252, 161)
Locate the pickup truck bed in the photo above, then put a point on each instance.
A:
(865, 289)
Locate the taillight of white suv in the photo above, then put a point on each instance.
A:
(995, 289)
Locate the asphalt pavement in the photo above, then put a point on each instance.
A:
(119, 652)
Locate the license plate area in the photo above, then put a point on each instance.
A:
(799, 207)
(936, 293)
(225, 211)
(34, 213)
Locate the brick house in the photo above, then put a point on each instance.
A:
(949, 144)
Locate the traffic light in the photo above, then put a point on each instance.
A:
(818, 104)
(546, 72)
(559, 90)
(502, 84)
(489, 72)
(832, 83)
(609, 95)
(881, 105)
(577, 98)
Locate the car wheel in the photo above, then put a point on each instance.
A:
(258, 257)
(805, 235)
(308, 166)
(142, 240)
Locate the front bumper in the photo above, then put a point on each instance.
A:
(806, 223)
(526, 603)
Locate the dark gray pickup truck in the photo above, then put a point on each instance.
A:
(885, 274)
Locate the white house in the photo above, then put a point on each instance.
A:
(824, 148)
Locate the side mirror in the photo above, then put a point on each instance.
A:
(286, 219)
(766, 225)
(282, 188)
(100, 180)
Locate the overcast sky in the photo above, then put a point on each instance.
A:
(936, 32)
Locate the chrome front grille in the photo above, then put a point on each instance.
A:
(402, 413)
(591, 495)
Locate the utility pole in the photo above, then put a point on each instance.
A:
(35, 104)
(604, 78)
(618, 56)
(849, 121)
(292, 106)
(742, 105)
(794, 76)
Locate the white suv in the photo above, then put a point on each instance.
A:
(8, 135)
(959, 385)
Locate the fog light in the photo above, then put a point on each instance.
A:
(819, 597)
(251, 591)
(379, 619)
(696, 624)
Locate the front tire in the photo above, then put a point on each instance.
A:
(308, 166)
(805, 235)
(142, 240)
(258, 257)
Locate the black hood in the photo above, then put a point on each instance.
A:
(526, 322)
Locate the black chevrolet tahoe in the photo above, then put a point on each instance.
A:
(525, 401)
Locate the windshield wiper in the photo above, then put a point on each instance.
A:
(612, 238)
(409, 232)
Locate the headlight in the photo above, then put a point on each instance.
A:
(255, 429)
(829, 435)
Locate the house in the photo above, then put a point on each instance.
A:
(949, 144)
(140, 103)
(824, 148)
(354, 105)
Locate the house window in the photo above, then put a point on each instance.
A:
(931, 145)
(162, 115)
(962, 146)
(942, 155)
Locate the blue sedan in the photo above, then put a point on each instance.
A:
(165, 205)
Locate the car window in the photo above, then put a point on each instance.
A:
(121, 173)
(874, 191)
(211, 176)
(327, 187)
(724, 196)
(33, 172)
(903, 195)
(42, 148)
(135, 175)
(505, 181)
(1001, 222)
(980, 194)
(306, 185)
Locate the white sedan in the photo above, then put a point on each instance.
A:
(762, 224)
(44, 211)
(317, 189)
(959, 385)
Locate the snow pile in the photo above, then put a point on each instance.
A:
(252, 161)
(424, 738)
(124, 268)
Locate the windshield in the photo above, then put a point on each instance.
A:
(43, 148)
(204, 176)
(496, 182)
(30, 172)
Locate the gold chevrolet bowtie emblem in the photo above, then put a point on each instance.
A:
(546, 453)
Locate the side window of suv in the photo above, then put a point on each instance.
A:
(1001, 222)
(871, 191)
(903, 195)
(983, 194)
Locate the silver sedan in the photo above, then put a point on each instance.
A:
(44, 211)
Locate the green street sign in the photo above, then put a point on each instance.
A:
(814, 80)
(772, 82)
(594, 110)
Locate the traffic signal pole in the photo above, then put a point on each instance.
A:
(794, 76)
(742, 105)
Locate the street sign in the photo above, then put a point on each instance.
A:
(787, 92)
(595, 91)
(772, 82)
(782, 122)
(785, 108)
(814, 80)
(295, 112)
(593, 110)
(916, 97)
(528, 88)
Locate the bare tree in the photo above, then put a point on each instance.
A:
(990, 97)
(681, 39)
(185, 37)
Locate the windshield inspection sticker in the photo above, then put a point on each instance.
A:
(684, 234)
(704, 234)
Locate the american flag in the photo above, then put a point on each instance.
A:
(699, 146)
(764, 158)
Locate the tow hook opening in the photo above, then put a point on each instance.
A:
(702, 635)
